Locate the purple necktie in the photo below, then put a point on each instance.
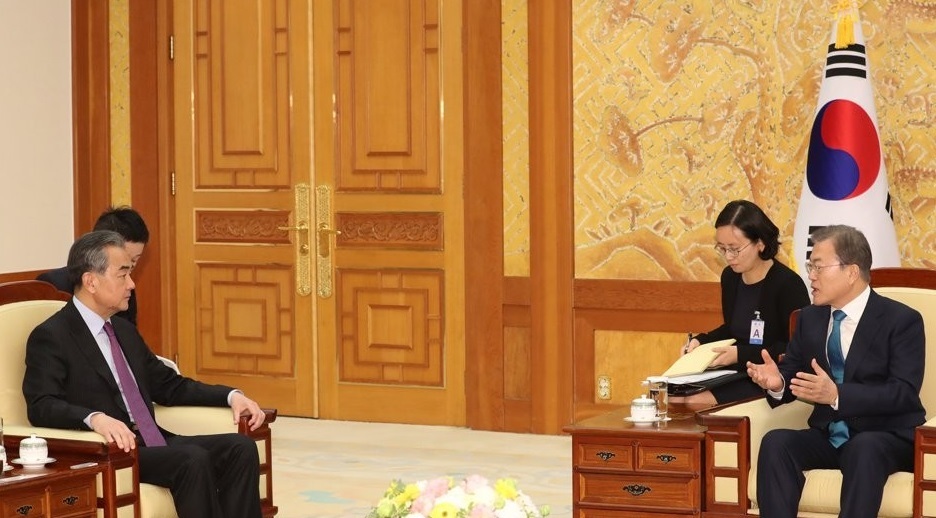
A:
(141, 415)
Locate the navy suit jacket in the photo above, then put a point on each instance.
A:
(67, 377)
(883, 370)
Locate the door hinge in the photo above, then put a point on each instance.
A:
(171, 47)
(172, 182)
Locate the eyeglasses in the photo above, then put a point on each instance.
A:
(810, 267)
(731, 253)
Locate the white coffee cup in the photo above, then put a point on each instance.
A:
(33, 449)
(643, 409)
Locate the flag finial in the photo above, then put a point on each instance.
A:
(845, 12)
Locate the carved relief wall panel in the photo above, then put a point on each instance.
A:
(395, 230)
(391, 326)
(388, 96)
(244, 319)
(243, 226)
(242, 94)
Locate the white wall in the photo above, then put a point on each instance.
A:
(36, 204)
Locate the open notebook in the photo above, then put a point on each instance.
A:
(696, 361)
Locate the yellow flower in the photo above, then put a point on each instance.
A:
(444, 510)
(506, 488)
(410, 493)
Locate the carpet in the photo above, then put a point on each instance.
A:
(340, 469)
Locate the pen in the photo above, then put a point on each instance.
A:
(685, 348)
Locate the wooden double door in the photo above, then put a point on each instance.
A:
(317, 204)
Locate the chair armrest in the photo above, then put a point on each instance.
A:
(54, 433)
(732, 442)
(197, 420)
(924, 469)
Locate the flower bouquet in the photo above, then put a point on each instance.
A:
(473, 497)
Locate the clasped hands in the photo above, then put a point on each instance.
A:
(817, 387)
(116, 431)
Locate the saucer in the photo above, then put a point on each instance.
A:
(646, 420)
(33, 463)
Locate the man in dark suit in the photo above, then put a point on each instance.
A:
(85, 370)
(859, 358)
(129, 224)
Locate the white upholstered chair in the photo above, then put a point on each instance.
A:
(735, 432)
(119, 492)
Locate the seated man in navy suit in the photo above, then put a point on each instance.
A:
(859, 358)
(129, 224)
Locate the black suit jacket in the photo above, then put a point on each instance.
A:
(783, 292)
(883, 371)
(67, 377)
(59, 278)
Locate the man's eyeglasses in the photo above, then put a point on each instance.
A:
(731, 253)
(810, 267)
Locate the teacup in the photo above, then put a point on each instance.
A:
(33, 449)
(643, 409)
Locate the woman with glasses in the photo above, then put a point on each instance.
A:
(758, 293)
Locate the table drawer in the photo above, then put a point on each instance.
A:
(617, 456)
(73, 499)
(640, 491)
(667, 458)
(28, 505)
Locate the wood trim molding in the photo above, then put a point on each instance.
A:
(483, 191)
(551, 214)
(147, 166)
(90, 111)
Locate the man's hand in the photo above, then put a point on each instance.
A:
(728, 355)
(241, 405)
(818, 387)
(766, 375)
(113, 431)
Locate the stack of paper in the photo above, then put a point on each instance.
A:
(696, 361)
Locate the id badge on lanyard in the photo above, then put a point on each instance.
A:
(757, 330)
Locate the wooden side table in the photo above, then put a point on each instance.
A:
(53, 491)
(626, 470)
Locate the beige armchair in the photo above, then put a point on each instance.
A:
(120, 494)
(735, 431)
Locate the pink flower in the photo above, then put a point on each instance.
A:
(475, 482)
(437, 487)
(482, 511)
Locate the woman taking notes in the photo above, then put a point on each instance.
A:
(758, 293)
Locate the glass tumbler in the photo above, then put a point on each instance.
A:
(658, 386)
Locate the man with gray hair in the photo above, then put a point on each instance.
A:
(859, 358)
(87, 371)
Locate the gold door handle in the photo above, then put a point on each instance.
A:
(301, 227)
(324, 246)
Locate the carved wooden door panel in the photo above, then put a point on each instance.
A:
(330, 287)
(388, 169)
(243, 283)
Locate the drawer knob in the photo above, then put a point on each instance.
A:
(605, 455)
(70, 500)
(636, 489)
(23, 509)
(666, 458)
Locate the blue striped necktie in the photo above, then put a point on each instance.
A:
(838, 430)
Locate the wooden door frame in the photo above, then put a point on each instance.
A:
(550, 285)
(149, 142)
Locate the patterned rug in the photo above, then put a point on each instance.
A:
(340, 469)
